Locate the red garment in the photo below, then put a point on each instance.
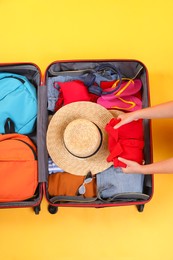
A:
(107, 84)
(127, 141)
(73, 91)
(59, 102)
(93, 97)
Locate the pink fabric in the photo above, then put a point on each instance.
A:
(125, 98)
(134, 86)
(127, 141)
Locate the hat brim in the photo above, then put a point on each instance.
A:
(55, 145)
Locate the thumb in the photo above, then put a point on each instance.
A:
(125, 161)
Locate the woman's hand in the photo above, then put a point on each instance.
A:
(132, 167)
(125, 119)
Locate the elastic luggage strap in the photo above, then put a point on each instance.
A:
(125, 195)
(120, 196)
(57, 199)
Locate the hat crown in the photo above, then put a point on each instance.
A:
(82, 138)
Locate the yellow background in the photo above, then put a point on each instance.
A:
(43, 31)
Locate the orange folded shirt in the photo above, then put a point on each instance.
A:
(66, 184)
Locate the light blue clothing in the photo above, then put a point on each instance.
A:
(53, 92)
(113, 181)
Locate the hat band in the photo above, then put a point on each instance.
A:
(84, 157)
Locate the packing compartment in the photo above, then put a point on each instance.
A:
(65, 71)
(32, 73)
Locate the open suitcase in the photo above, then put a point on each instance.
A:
(44, 85)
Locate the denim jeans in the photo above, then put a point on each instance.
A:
(113, 181)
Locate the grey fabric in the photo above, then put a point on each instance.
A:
(52, 92)
(113, 181)
(42, 123)
(71, 66)
(127, 68)
(30, 71)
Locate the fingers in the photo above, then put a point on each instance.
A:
(129, 163)
(124, 120)
(120, 123)
(123, 160)
(131, 166)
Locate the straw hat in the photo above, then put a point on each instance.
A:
(76, 139)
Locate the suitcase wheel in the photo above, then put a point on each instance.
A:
(37, 209)
(140, 207)
(52, 209)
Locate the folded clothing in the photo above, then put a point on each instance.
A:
(66, 184)
(53, 88)
(113, 181)
(126, 141)
(71, 91)
(52, 167)
(91, 80)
